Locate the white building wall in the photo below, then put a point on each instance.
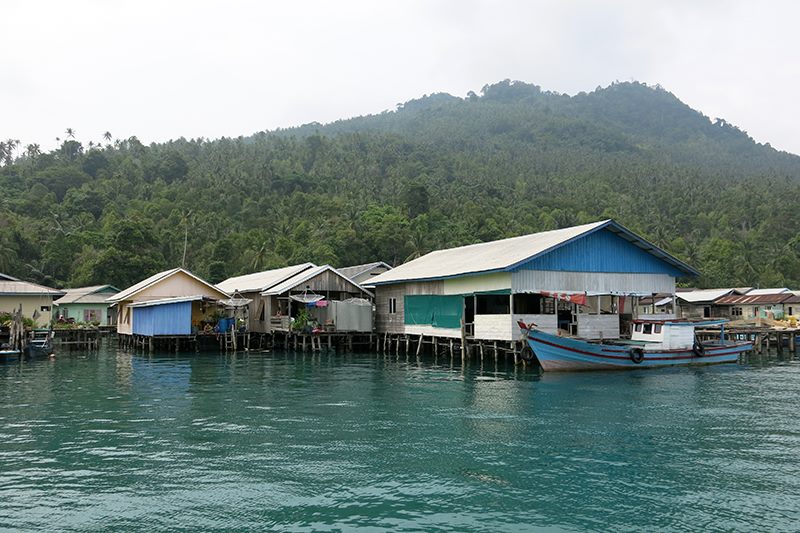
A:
(419, 329)
(598, 326)
(505, 328)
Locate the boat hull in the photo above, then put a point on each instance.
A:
(566, 354)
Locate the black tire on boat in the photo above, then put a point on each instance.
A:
(698, 349)
(527, 354)
(636, 355)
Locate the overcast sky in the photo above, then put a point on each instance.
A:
(166, 69)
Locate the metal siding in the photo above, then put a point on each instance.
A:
(167, 319)
(609, 282)
(601, 251)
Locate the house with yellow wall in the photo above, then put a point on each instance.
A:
(169, 303)
(36, 300)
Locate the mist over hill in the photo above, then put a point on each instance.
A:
(438, 171)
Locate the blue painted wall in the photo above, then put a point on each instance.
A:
(167, 319)
(601, 251)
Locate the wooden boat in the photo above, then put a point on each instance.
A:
(40, 343)
(7, 354)
(653, 343)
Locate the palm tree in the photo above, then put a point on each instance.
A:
(107, 136)
(260, 256)
(185, 220)
(70, 133)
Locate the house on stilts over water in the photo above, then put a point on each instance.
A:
(584, 280)
(305, 295)
(171, 309)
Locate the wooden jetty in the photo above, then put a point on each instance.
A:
(764, 338)
(78, 339)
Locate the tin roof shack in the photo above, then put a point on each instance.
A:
(582, 279)
(791, 306)
(170, 284)
(36, 300)
(87, 304)
(171, 316)
(251, 286)
(320, 298)
(656, 307)
(775, 306)
(362, 274)
(699, 303)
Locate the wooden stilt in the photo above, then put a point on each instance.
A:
(419, 345)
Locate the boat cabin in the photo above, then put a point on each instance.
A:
(669, 335)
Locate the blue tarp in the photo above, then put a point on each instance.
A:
(165, 319)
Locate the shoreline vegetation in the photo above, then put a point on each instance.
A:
(439, 171)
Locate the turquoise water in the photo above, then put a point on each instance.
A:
(121, 442)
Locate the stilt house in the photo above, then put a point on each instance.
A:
(581, 280)
(36, 300)
(171, 303)
(87, 304)
(321, 292)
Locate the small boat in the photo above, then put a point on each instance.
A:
(40, 343)
(7, 353)
(653, 343)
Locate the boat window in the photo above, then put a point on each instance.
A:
(648, 329)
(657, 328)
(638, 328)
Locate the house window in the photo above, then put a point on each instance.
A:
(493, 304)
(44, 308)
(127, 315)
(392, 306)
(533, 304)
(90, 315)
(736, 311)
(755, 311)
(790, 311)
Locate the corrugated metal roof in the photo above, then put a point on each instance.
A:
(353, 272)
(6, 277)
(155, 278)
(703, 295)
(664, 301)
(754, 299)
(165, 301)
(86, 295)
(761, 292)
(505, 254)
(261, 281)
(304, 276)
(26, 288)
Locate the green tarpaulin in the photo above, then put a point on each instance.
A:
(435, 310)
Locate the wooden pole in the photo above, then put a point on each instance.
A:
(419, 345)
(463, 341)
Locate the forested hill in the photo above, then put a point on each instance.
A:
(439, 171)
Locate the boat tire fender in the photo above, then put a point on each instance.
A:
(527, 354)
(636, 355)
(698, 349)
